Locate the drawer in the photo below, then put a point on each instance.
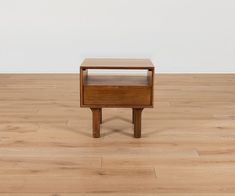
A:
(117, 96)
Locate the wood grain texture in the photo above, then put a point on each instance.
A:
(96, 119)
(105, 96)
(137, 122)
(117, 64)
(187, 146)
(111, 91)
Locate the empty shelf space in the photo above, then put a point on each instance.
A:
(101, 80)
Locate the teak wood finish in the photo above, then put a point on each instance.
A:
(122, 91)
(187, 145)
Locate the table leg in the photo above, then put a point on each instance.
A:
(137, 122)
(133, 115)
(96, 118)
(101, 116)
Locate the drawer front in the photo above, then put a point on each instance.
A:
(117, 96)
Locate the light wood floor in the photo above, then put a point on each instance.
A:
(187, 149)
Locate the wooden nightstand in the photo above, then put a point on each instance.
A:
(117, 91)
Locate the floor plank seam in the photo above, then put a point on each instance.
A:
(155, 172)
(101, 162)
(196, 151)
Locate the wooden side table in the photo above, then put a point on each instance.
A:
(116, 91)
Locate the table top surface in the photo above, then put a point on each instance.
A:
(95, 63)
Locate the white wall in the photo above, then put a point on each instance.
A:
(179, 35)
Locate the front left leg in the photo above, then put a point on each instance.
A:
(96, 118)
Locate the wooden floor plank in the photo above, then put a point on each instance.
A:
(187, 148)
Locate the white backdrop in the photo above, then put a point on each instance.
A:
(180, 36)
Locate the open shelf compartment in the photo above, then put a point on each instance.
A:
(118, 79)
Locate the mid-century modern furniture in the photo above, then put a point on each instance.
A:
(116, 91)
